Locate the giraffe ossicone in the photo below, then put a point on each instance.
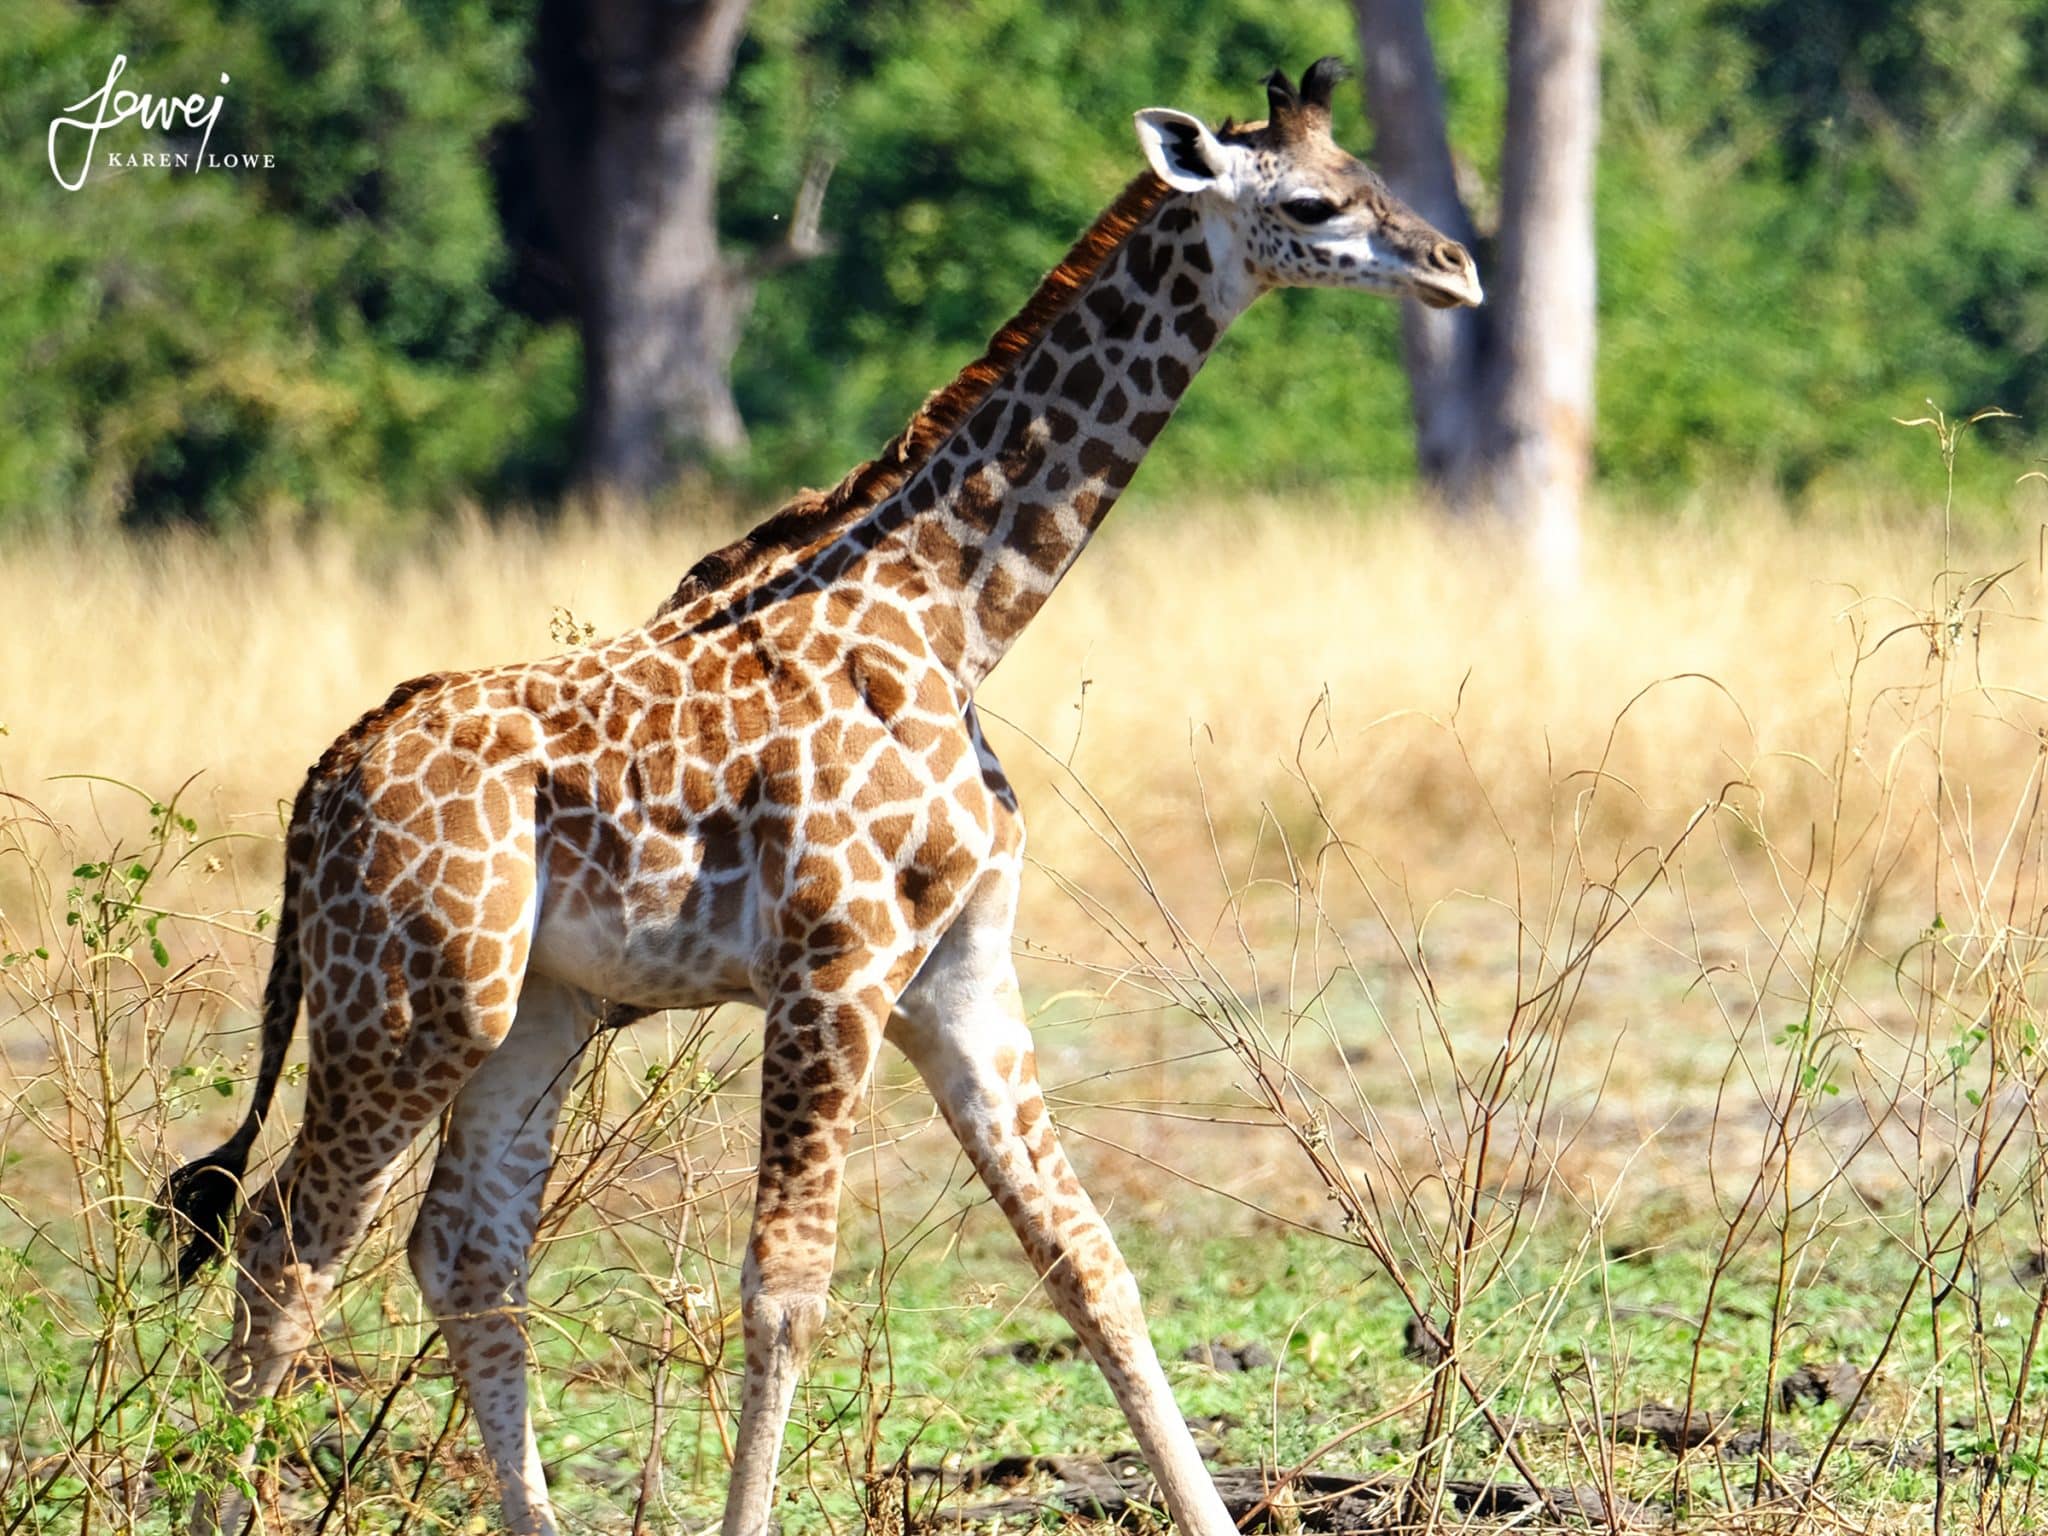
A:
(776, 791)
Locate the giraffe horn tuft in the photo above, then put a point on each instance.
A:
(1321, 80)
(1280, 97)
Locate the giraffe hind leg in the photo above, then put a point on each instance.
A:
(373, 1086)
(471, 1245)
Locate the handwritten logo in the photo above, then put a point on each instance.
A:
(109, 108)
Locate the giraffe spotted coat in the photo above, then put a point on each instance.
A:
(777, 792)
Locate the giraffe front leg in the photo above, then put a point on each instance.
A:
(962, 1025)
(818, 1054)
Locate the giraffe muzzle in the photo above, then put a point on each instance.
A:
(1447, 279)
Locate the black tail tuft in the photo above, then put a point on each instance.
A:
(201, 1197)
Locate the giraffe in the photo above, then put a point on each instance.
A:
(778, 792)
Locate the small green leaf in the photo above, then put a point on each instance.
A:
(224, 1086)
(156, 948)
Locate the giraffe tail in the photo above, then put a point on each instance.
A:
(202, 1195)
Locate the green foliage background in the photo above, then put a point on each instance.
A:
(1813, 214)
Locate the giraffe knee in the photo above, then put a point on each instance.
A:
(1085, 1270)
(783, 1321)
(462, 1270)
(280, 1262)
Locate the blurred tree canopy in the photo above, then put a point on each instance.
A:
(229, 345)
(1812, 214)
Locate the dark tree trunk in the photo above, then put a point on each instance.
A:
(1503, 395)
(660, 323)
(1440, 347)
(626, 98)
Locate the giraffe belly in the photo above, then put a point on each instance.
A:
(686, 943)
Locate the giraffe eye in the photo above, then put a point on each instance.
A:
(1308, 210)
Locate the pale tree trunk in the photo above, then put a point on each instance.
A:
(1540, 403)
(1503, 395)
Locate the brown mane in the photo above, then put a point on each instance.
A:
(811, 517)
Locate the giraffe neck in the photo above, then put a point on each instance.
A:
(1001, 509)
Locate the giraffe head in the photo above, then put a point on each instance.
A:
(1293, 210)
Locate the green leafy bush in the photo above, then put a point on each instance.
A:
(1813, 216)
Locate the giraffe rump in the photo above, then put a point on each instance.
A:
(812, 517)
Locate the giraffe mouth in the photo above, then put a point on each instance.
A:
(1443, 294)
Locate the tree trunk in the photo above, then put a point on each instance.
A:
(661, 307)
(1503, 396)
(1539, 378)
(1440, 348)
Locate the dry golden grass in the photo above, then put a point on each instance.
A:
(1198, 670)
(1230, 635)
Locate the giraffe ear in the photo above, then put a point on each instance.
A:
(1183, 151)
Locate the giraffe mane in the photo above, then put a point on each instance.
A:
(813, 517)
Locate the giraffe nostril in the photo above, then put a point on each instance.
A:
(1448, 256)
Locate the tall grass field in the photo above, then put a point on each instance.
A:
(1554, 1054)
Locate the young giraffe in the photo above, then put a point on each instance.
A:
(776, 792)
